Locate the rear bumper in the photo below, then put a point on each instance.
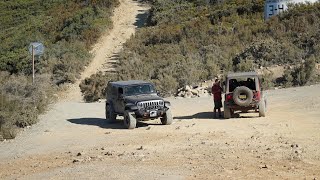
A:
(254, 105)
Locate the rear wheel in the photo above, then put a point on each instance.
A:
(226, 112)
(262, 108)
(110, 115)
(130, 122)
(167, 118)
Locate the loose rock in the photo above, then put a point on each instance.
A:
(108, 154)
(80, 154)
(77, 160)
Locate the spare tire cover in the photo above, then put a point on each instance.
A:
(239, 93)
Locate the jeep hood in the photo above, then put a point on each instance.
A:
(138, 98)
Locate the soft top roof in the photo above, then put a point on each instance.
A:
(126, 83)
(242, 74)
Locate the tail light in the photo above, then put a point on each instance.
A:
(229, 97)
(257, 95)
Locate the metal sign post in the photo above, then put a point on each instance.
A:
(32, 64)
(35, 49)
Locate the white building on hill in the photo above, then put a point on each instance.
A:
(274, 7)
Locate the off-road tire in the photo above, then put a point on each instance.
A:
(226, 112)
(167, 119)
(110, 115)
(242, 90)
(130, 122)
(262, 108)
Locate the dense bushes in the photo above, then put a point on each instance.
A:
(67, 28)
(188, 41)
(21, 102)
(94, 87)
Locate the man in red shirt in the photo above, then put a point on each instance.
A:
(216, 92)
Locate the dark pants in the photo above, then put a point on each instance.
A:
(217, 104)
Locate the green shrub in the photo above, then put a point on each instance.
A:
(267, 81)
(288, 79)
(94, 87)
(304, 73)
(21, 102)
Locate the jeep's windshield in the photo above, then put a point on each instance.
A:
(139, 89)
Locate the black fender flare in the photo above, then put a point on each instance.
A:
(109, 104)
(131, 107)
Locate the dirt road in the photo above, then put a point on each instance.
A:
(283, 145)
(74, 141)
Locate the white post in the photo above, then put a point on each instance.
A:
(32, 64)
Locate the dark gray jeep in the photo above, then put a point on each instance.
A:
(136, 101)
(243, 92)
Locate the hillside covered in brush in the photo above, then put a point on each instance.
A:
(67, 28)
(188, 41)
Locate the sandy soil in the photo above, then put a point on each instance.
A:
(74, 141)
(283, 145)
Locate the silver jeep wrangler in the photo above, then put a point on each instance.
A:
(135, 101)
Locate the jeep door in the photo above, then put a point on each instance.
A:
(119, 105)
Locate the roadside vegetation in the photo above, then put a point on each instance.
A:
(189, 41)
(67, 28)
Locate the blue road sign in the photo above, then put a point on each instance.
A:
(38, 48)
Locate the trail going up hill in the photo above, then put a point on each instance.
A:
(127, 17)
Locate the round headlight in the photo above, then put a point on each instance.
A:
(139, 104)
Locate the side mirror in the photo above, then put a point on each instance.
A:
(120, 96)
(158, 93)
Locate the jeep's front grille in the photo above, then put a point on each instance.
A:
(151, 105)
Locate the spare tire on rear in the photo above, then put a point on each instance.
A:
(242, 91)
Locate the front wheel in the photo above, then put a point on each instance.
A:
(167, 118)
(130, 122)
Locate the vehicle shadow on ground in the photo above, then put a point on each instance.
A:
(200, 115)
(210, 115)
(103, 123)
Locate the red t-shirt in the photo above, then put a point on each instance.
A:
(216, 91)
